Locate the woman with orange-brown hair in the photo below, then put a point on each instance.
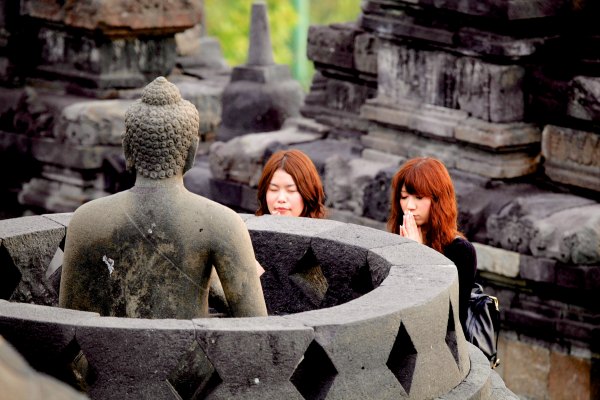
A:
(424, 209)
(290, 185)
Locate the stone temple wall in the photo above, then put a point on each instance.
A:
(505, 93)
(68, 72)
(373, 316)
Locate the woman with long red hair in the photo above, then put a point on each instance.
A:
(290, 185)
(424, 209)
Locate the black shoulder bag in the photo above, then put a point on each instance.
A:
(483, 323)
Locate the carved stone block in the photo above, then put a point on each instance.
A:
(486, 91)
(572, 156)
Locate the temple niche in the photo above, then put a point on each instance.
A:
(505, 92)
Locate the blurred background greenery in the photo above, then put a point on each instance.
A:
(229, 21)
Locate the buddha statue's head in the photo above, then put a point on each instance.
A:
(161, 132)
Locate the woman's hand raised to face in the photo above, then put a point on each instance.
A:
(409, 228)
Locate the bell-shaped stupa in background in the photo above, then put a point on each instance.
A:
(261, 94)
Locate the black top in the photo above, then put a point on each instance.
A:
(462, 253)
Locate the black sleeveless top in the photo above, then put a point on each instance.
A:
(462, 253)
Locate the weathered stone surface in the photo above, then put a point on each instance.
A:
(517, 223)
(569, 376)
(447, 123)
(351, 218)
(232, 194)
(51, 151)
(206, 96)
(347, 179)
(486, 91)
(10, 100)
(320, 151)
(349, 360)
(201, 56)
(61, 218)
(361, 359)
(493, 165)
(346, 275)
(498, 261)
(583, 277)
(91, 123)
(335, 101)
(332, 45)
(33, 260)
(497, 135)
(377, 194)
(346, 96)
(260, 51)
(503, 9)
(197, 179)
(261, 94)
(365, 53)
(584, 102)
(572, 156)
(241, 159)
(258, 107)
(571, 235)
(267, 353)
(101, 63)
(413, 310)
(407, 21)
(529, 369)
(45, 336)
(293, 280)
(118, 16)
(426, 119)
(56, 196)
(105, 340)
(537, 269)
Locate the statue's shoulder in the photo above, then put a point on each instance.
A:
(218, 212)
(97, 211)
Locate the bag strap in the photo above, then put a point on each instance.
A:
(495, 361)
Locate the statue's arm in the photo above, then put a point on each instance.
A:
(234, 261)
(216, 294)
(73, 291)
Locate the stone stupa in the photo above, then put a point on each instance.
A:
(261, 94)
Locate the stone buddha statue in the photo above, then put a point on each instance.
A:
(148, 251)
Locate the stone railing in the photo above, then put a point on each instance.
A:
(354, 313)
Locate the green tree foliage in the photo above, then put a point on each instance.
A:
(229, 21)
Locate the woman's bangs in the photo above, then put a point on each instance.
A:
(416, 183)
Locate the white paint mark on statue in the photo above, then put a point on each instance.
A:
(110, 263)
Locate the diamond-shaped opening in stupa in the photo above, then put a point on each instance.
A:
(11, 276)
(315, 374)
(451, 340)
(79, 373)
(362, 281)
(403, 359)
(55, 263)
(308, 276)
(194, 377)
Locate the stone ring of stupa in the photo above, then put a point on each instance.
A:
(354, 312)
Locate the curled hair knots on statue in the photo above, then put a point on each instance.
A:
(159, 129)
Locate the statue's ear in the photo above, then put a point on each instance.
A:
(191, 155)
(128, 156)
